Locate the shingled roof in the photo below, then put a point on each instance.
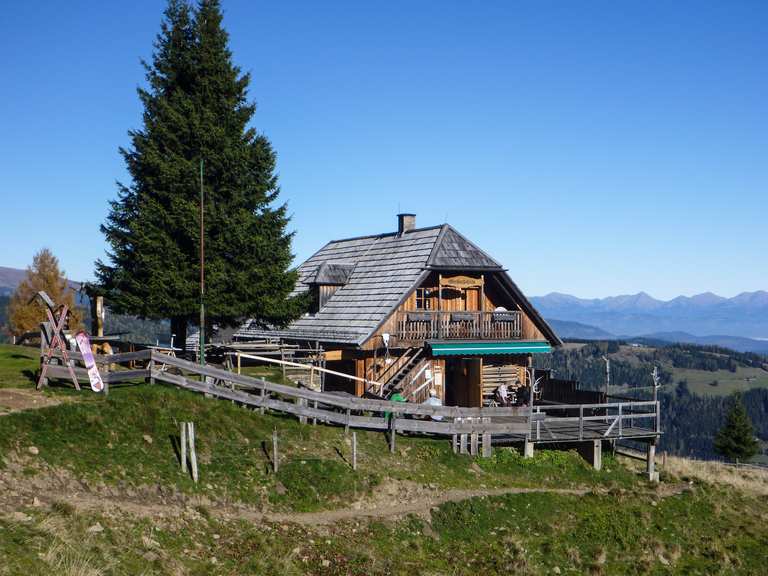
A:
(380, 272)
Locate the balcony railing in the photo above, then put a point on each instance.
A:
(434, 325)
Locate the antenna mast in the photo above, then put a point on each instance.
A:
(201, 338)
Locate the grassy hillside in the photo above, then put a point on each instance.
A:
(721, 382)
(93, 487)
(112, 500)
(18, 365)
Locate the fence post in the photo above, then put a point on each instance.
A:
(302, 403)
(463, 444)
(581, 422)
(354, 450)
(151, 367)
(486, 444)
(473, 444)
(275, 454)
(455, 443)
(192, 453)
(620, 418)
(239, 362)
(183, 447)
(392, 433)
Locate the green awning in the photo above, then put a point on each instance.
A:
(479, 348)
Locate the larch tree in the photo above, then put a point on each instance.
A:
(196, 110)
(736, 439)
(25, 312)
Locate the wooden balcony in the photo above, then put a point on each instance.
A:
(423, 325)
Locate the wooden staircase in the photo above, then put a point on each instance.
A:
(395, 377)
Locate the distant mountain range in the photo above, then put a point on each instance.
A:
(740, 323)
(12, 277)
(9, 279)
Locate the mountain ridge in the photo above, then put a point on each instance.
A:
(700, 315)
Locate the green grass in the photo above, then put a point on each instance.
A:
(130, 438)
(702, 382)
(701, 531)
(271, 373)
(126, 441)
(18, 366)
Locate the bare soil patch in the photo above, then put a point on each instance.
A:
(17, 399)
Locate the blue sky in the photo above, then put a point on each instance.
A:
(594, 148)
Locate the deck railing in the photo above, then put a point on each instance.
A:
(543, 423)
(443, 325)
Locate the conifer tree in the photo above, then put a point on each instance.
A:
(196, 108)
(736, 439)
(25, 311)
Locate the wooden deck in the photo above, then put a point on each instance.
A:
(421, 325)
(545, 423)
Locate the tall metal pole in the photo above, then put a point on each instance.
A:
(202, 267)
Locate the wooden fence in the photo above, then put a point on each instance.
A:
(546, 423)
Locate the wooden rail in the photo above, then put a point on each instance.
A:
(419, 325)
(578, 422)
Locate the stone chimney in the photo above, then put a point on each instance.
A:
(405, 223)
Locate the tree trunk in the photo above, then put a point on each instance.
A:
(179, 332)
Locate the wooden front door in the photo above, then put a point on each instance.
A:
(464, 382)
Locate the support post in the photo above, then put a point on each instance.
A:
(528, 449)
(354, 450)
(592, 452)
(346, 425)
(392, 433)
(44, 343)
(473, 444)
(653, 476)
(463, 444)
(455, 443)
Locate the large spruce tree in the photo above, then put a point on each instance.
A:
(196, 108)
(736, 439)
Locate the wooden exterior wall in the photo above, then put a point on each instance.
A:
(492, 298)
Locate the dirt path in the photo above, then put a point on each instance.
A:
(361, 510)
(17, 399)
(19, 491)
(421, 508)
(394, 499)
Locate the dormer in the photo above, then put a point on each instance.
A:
(328, 278)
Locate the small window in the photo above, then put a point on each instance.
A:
(423, 297)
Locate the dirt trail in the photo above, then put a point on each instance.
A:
(17, 399)
(19, 491)
(422, 507)
(393, 499)
(361, 510)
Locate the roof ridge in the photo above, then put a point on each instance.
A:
(441, 238)
(384, 234)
